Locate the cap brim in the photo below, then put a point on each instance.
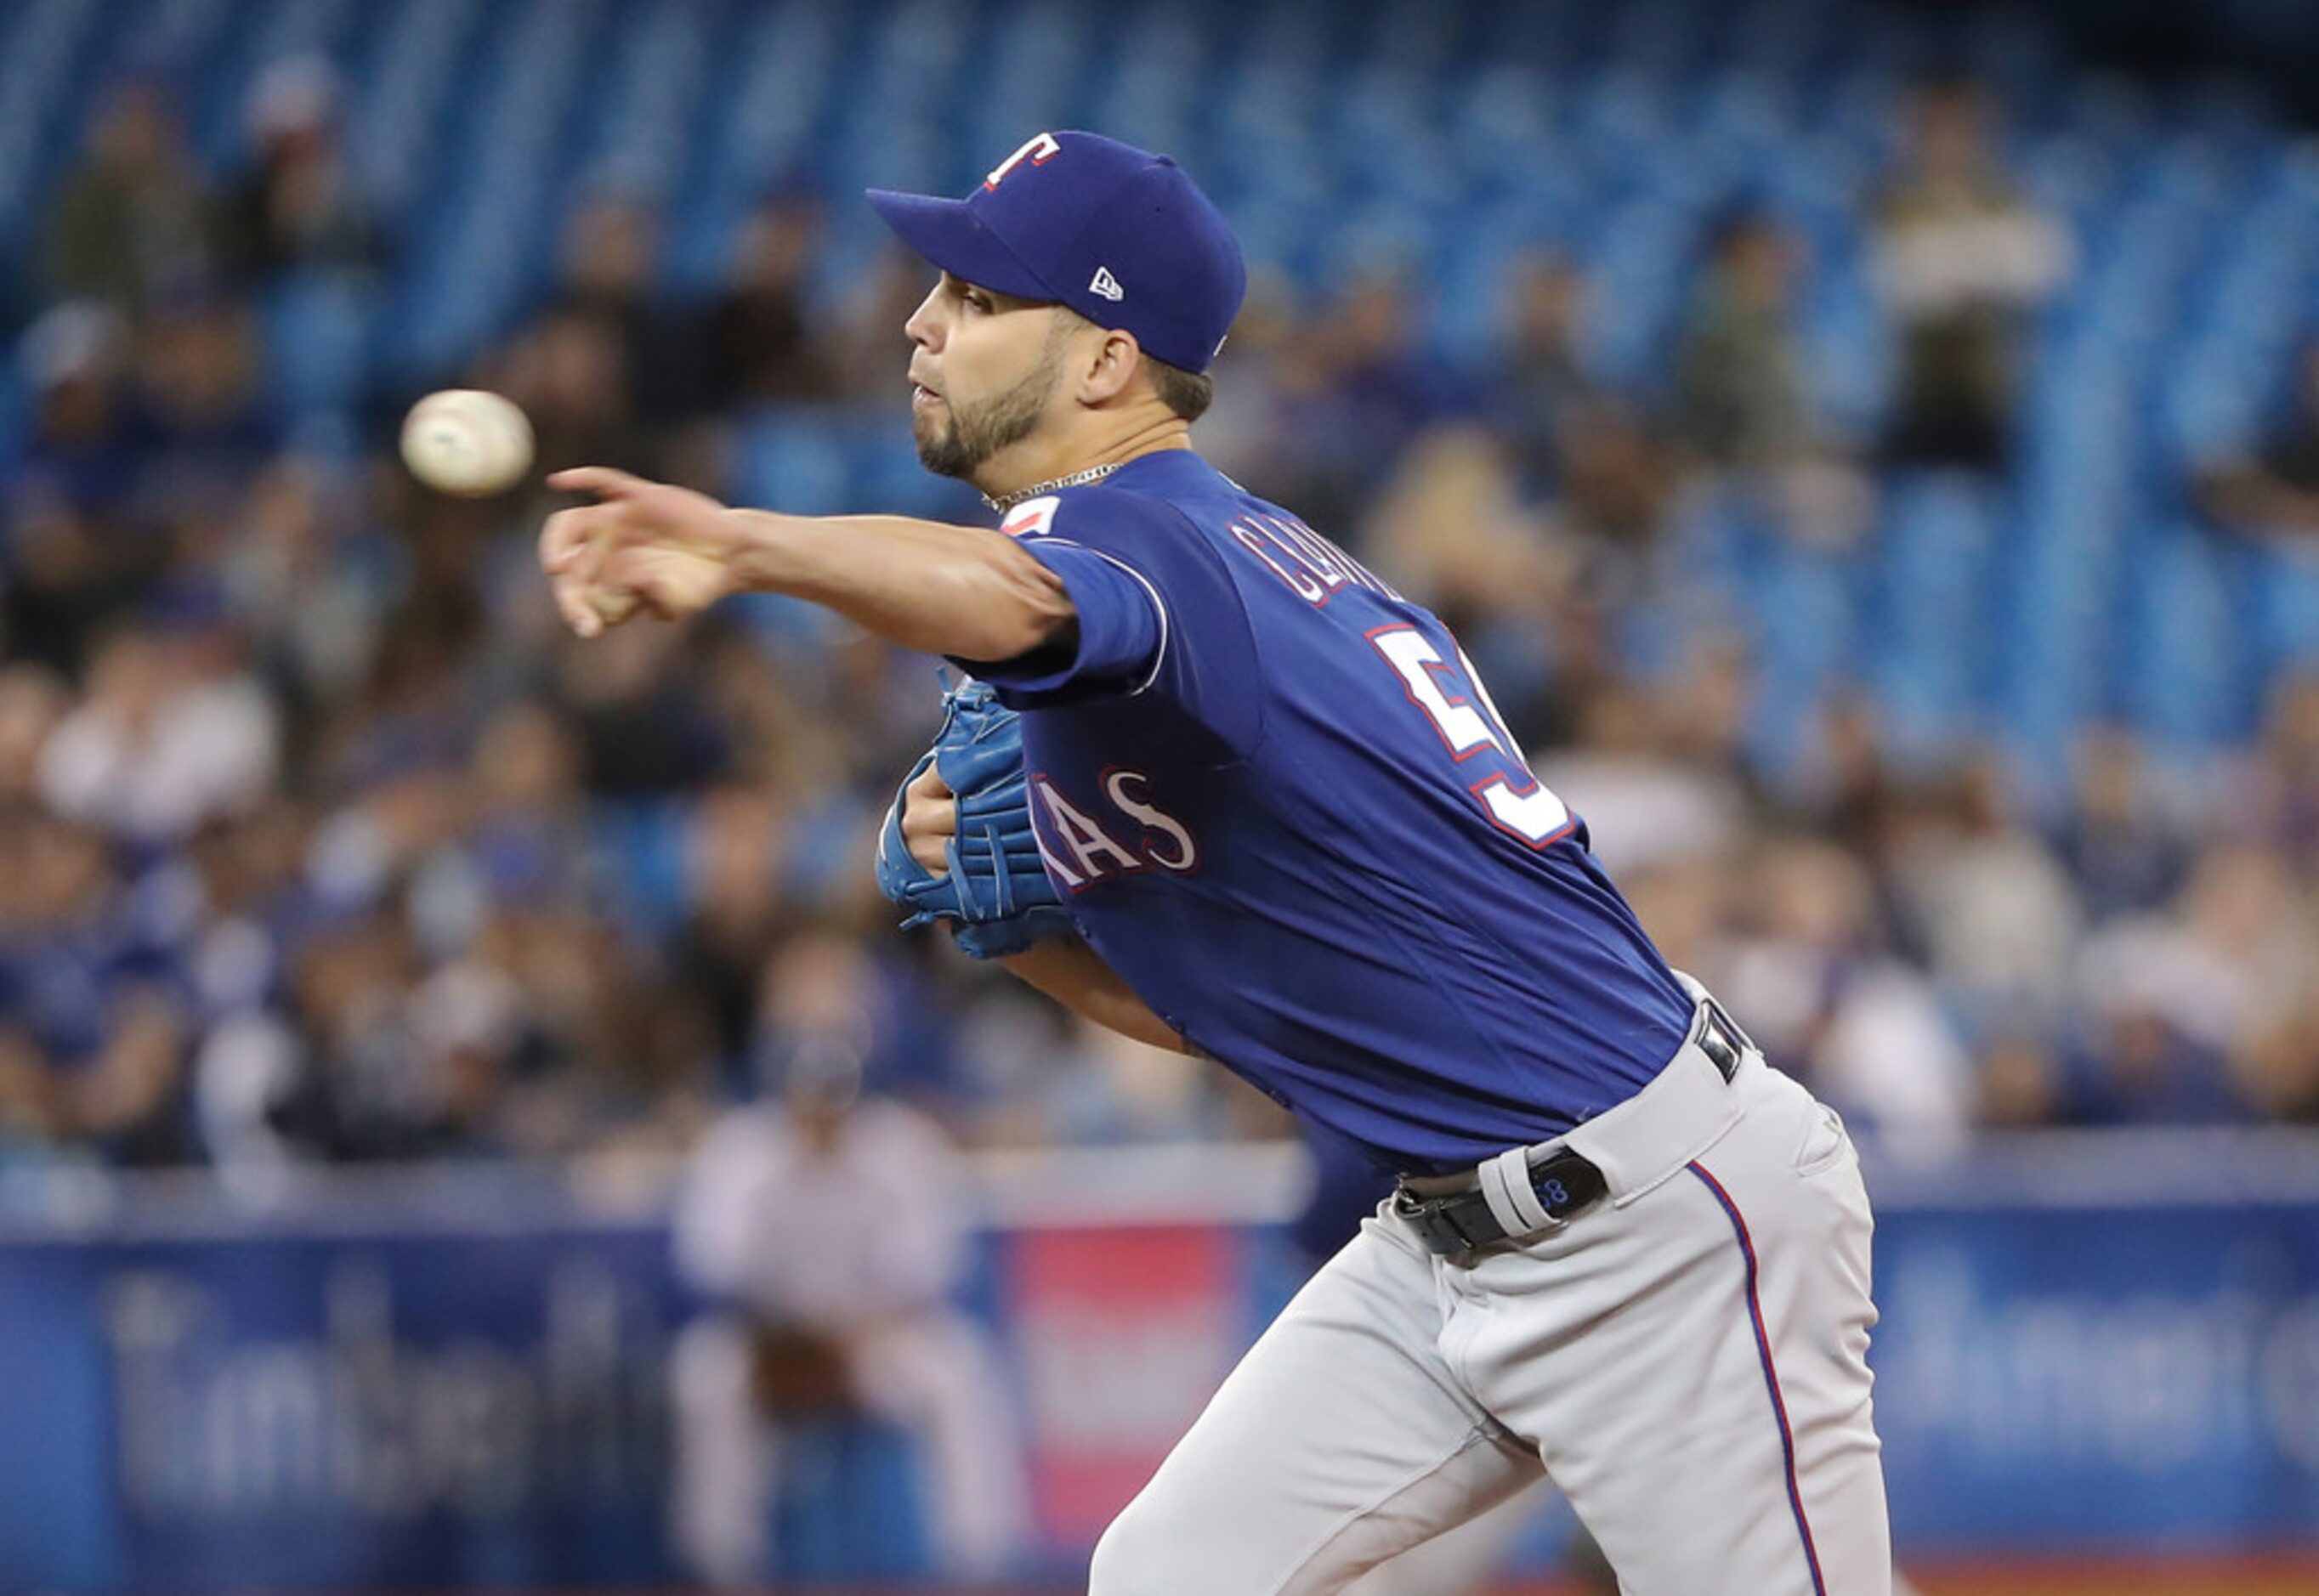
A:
(949, 234)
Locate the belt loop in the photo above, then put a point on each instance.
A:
(1513, 1201)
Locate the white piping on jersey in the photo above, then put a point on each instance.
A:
(1159, 654)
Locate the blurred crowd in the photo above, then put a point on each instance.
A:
(321, 841)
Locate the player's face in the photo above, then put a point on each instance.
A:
(985, 368)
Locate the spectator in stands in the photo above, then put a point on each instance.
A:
(610, 252)
(301, 206)
(169, 737)
(2273, 492)
(2125, 839)
(573, 373)
(76, 361)
(1845, 783)
(2129, 1061)
(93, 1018)
(734, 913)
(33, 699)
(2275, 791)
(356, 1093)
(1356, 390)
(2175, 995)
(1740, 402)
(759, 346)
(133, 223)
(1649, 800)
(67, 583)
(2275, 1066)
(1988, 901)
(1450, 529)
(825, 1232)
(72, 562)
(204, 430)
(1616, 484)
(1541, 375)
(642, 729)
(526, 841)
(1244, 431)
(1742, 406)
(233, 901)
(306, 577)
(1806, 968)
(521, 1035)
(867, 328)
(236, 907)
(772, 707)
(1961, 256)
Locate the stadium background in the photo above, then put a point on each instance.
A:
(1909, 568)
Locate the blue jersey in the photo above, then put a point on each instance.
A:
(1280, 805)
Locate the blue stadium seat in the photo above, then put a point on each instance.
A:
(794, 458)
(638, 849)
(44, 73)
(2182, 672)
(317, 336)
(2284, 594)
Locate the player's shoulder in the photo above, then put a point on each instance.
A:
(1095, 513)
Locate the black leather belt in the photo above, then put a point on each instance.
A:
(1457, 1223)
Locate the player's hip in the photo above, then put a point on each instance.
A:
(1717, 1104)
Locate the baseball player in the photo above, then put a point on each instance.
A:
(823, 1305)
(1291, 832)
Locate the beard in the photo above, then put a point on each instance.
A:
(957, 440)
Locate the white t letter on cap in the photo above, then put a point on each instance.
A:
(1036, 150)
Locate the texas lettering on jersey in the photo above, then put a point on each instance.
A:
(1084, 846)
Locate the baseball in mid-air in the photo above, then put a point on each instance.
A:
(466, 442)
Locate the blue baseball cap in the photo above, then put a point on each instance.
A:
(1118, 234)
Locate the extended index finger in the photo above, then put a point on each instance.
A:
(602, 481)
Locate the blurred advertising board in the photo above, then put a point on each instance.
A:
(2104, 1341)
(410, 1383)
(370, 1392)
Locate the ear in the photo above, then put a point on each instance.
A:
(1109, 367)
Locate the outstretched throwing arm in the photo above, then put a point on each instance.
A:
(966, 592)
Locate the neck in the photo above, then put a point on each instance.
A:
(1039, 460)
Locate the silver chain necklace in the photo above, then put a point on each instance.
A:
(1078, 478)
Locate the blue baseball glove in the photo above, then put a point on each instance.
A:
(996, 890)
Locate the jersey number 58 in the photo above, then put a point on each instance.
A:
(1455, 700)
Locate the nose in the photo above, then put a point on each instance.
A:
(924, 327)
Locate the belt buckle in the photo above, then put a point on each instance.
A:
(1434, 1219)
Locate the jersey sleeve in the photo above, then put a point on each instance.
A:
(1157, 613)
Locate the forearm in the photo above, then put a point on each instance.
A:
(962, 591)
(1071, 973)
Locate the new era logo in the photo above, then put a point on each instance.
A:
(1106, 286)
